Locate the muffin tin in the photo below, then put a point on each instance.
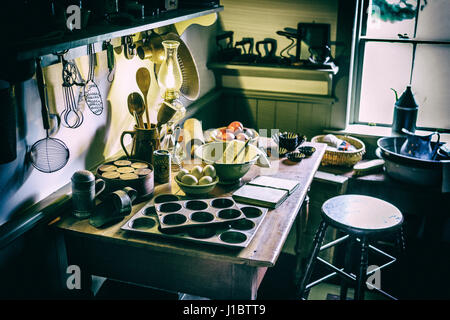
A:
(236, 233)
(193, 212)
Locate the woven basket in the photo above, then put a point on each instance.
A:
(342, 158)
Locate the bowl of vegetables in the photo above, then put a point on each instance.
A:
(231, 159)
(198, 180)
(235, 131)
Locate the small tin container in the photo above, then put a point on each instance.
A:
(162, 165)
(84, 191)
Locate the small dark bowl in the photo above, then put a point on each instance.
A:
(282, 151)
(295, 156)
(288, 140)
(307, 150)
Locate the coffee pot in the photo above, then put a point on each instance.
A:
(405, 112)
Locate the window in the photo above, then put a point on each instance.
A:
(400, 43)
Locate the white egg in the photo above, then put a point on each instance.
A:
(205, 180)
(197, 172)
(189, 179)
(182, 173)
(209, 170)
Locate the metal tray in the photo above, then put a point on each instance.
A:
(177, 214)
(235, 234)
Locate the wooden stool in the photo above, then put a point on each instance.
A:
(363, 219)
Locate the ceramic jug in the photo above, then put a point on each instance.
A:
(419, 146)
(145, 142)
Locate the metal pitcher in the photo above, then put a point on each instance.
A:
(419, 146)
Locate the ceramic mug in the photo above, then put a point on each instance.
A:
(85, 188)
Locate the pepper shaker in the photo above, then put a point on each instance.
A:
(84, 192)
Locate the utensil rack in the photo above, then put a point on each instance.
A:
(104, 32)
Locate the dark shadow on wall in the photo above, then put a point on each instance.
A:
(95, 154)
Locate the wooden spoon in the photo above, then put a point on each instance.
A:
(136, 108)
(143, 82)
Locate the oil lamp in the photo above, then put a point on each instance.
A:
(170, 80)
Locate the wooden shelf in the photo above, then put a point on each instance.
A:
(275, 79)
(39, 46)
(287, 71)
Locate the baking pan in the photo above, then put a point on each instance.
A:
(186, 213)
(233, 234)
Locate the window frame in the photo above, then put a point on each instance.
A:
(357, 59)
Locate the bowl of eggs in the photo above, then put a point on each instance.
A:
(198, 180)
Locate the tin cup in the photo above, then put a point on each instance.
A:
(162, 164)
(116, 205)
(84, 191)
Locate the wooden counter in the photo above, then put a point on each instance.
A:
(175, 265)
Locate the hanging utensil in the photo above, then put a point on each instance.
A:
(71, 115)
(48, 154)
(92, 94)
(8, 143)
(143, 82)
(110, 59)
(136, 108)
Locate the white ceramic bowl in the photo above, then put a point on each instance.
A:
(213, 153)
(196, 189)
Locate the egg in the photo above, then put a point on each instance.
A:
(182, 173)
(242, 137)
(250, 133)
(197, 172)
(229, 136)
(189, 179)
(205, 180)
(209, 170)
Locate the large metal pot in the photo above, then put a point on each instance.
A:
(408, 169)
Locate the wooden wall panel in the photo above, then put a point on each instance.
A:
(286, 116)
(266, 114)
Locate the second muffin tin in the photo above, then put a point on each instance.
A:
(185, 213)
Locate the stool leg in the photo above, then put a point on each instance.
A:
(361, 277)
(400, 241)
(347, 267)
(317, 243)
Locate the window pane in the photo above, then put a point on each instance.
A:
(386, 65)
(433, 21)
(430, 85)
(388, 18)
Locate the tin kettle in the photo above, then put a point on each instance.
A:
(419, 146)
(405, 112)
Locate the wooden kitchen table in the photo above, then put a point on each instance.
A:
(182, 266)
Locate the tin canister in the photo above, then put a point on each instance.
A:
(84, 191)
(161, 160)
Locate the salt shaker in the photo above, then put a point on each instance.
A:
(84, 192)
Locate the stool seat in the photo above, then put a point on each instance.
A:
(360, 214)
